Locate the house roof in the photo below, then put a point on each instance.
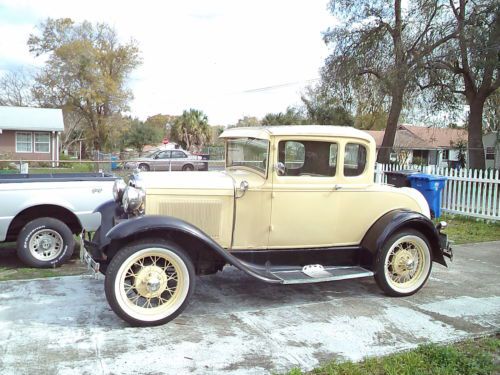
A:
(27, 118)
(421, 137)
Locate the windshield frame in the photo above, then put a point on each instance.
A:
(249, 168)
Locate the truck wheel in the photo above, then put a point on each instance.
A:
(149, 282)
(45, 242)
(403, 264)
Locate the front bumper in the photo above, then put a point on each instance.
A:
(86, 257)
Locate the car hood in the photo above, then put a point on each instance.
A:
(184, 180)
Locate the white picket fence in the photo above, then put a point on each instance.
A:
(474, 193)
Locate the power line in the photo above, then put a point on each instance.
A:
(278, 86)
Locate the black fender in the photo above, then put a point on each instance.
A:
(393, 221)
(155, 223)
(110, 211)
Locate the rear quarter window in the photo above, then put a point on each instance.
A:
(354, 159)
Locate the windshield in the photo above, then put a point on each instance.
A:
(247, 152)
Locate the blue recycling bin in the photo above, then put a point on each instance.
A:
(431, 187)
(114, 162)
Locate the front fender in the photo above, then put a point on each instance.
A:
(154, 223)
(393, 221)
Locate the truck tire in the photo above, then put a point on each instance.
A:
(45, 242)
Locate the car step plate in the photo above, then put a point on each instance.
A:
(317, 273)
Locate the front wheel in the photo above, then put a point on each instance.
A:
(404, 263)
(149, 282)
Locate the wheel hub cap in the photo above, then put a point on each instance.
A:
(151, 281)
(403, 261)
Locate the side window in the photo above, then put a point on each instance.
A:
(163, 155)
(294, 155)
(334, 150)
(354, 159)
(308, 158)
(178, 155)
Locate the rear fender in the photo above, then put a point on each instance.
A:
(396, 220)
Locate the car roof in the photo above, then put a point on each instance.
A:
(266, 132)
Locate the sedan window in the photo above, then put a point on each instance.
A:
(178, 155)
(163, 155)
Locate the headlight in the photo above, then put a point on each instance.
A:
(118, 189)
(133, 200)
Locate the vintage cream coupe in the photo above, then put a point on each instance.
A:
(295, 204)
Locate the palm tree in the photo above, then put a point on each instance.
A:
(191, 130)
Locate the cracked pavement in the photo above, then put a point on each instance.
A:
(237, 325)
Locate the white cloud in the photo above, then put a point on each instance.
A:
(201, 54)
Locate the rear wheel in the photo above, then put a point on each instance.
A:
(45, 242)
(188, 167)
(404, 263)
(149, 282)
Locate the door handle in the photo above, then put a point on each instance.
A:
(336, 187)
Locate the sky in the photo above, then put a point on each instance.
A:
(212, 55)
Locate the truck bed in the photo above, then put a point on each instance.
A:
(52, 177)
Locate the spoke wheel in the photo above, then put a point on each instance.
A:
(404, 264)
(149, 283)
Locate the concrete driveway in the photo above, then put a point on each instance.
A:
(239, 326)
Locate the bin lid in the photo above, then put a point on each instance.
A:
(425, 176)
(404, 172)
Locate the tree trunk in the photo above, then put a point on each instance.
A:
(390, 131)
(475, 138)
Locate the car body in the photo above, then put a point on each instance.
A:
(167, 160)
(42, 212)
(295, 204)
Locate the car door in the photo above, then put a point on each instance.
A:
(304, 199)
(162, 161)
(179, 159)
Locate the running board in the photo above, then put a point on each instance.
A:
(318, 273)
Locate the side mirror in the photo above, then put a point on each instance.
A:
(280, 168)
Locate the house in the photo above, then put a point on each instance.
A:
(30, 133)
(491, 143)
(425, 145)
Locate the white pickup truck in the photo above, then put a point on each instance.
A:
(42, 212)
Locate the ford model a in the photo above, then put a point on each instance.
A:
(295, 204)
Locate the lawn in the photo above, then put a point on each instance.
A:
(467, 230)
(11, 267)
(472, 357)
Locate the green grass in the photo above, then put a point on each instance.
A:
(467, 230)
(11, 268)
(472, 357)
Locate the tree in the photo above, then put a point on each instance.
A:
(15, 88)
(86, 72)
(162, 123)
(386, 43)
(492, 112)
(292, 116)
(191, 130)
(248, 121)
(469, 66)
(324, 109)
(140, 134)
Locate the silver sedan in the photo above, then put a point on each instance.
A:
(168, 160)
